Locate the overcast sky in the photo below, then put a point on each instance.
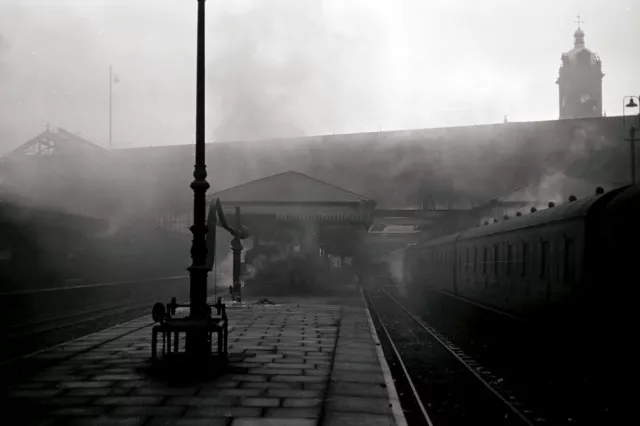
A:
(279, 68)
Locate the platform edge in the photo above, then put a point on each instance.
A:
(392, 393)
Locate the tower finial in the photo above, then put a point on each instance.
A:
(578, 35)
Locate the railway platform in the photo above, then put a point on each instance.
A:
(303, 362)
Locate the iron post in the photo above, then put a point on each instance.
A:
(236, 248)
(110, 104)
(632, 127)
(632, 141)
(196, 342)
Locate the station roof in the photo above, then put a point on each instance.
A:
(55, 142)
(289, 188)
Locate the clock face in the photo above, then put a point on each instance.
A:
(584, 98)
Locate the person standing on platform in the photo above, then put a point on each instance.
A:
(237, 291)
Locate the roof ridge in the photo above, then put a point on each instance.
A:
(329, 184)
(246, 183)
(297, 174)
(78, 137)
(330, 137)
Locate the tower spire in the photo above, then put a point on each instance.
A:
(580, 80)
(578, 36)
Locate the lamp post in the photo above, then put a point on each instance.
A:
(196, 342)
(632, 125)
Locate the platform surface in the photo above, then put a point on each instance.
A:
(300, 362)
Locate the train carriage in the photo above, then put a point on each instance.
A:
(544, 264)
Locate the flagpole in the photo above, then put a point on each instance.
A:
(110, 102)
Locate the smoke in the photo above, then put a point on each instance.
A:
(287, 68)
(254, 79)
(221, 278)
(570, 170)
(2, 47)
(396, 261)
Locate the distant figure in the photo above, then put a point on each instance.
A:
(237, 292)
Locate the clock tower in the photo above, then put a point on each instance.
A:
(580, 81)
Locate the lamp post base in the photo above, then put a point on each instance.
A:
(196, 343)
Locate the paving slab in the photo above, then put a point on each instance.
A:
(307, 361)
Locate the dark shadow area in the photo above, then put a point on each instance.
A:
(182, 369)
(567, 376)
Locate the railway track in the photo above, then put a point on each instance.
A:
(37, 319)
(22, 330)
(11, 370)
(25, 338)
(441, 384)
(565, 380)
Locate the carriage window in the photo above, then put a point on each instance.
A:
(484, 261)
(475, 260)
(467, 265)
(509, 258)
(544, 260)
(569, 260)
(496, 259)
(525, 259)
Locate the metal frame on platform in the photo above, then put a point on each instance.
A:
(202, 327)
(172, 327)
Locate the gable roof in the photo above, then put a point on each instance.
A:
(55, 141)
(288, 187)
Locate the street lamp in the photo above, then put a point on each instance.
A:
(632, 125)
(196, 341)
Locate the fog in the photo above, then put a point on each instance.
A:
(298, 67)
(363, 74)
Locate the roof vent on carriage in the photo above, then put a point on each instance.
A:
(599, 190)
(551, 204)
(533, 210)
(518, 214)
(572, 198)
